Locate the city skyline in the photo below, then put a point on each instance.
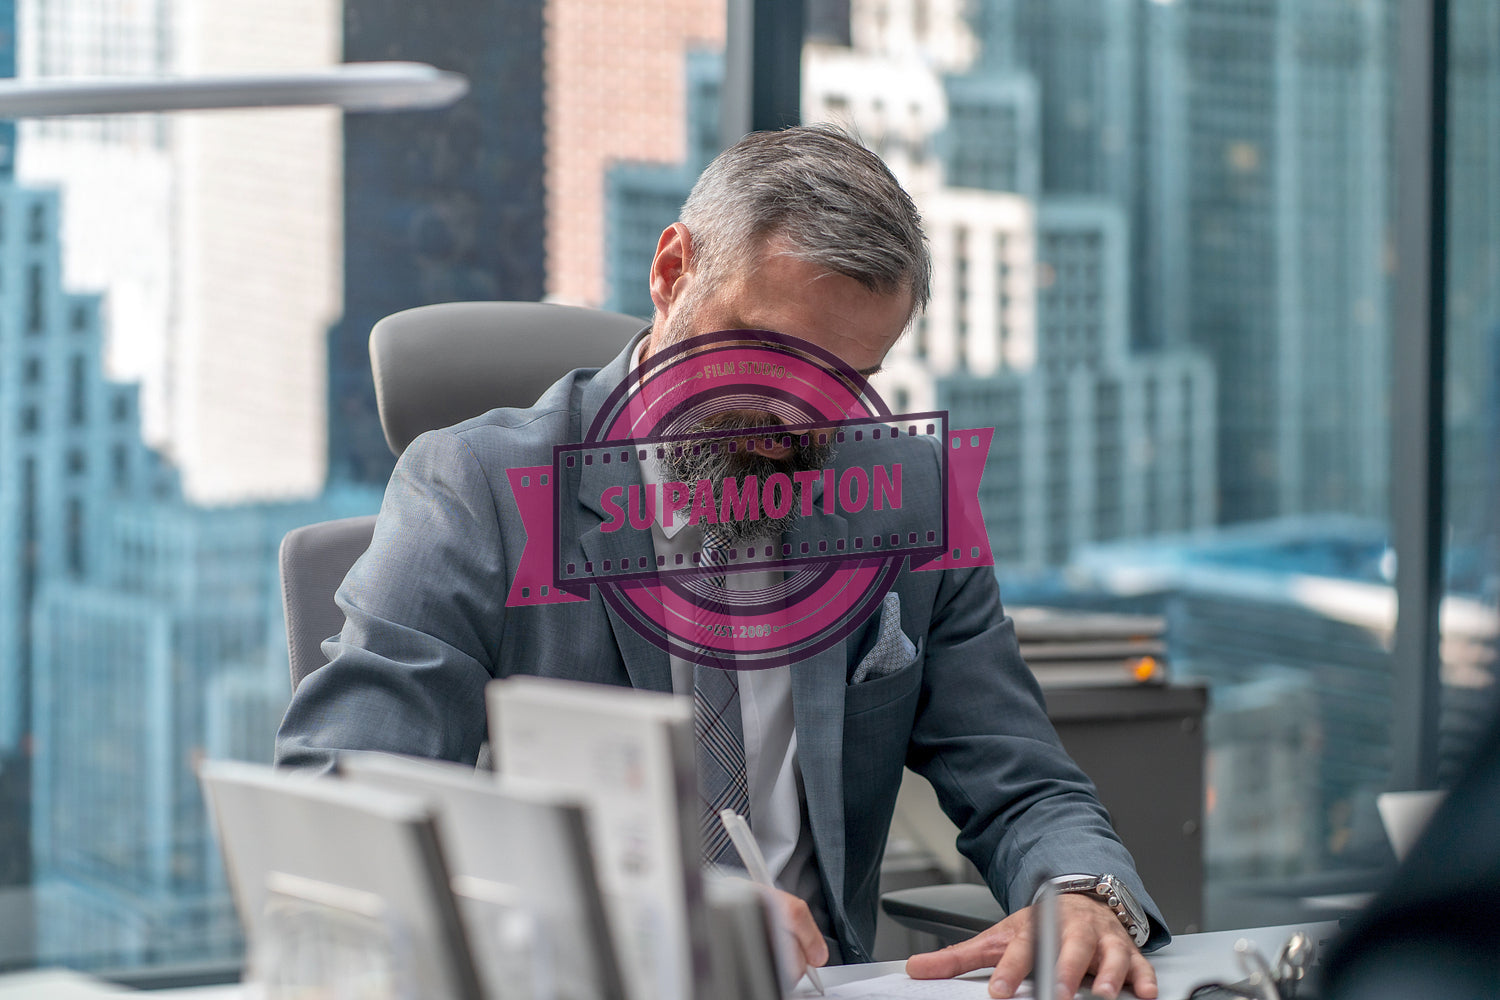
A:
(160, 209)
(1162, 249)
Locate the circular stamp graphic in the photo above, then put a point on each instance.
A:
(791, 470)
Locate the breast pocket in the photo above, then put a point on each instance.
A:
(898, 680)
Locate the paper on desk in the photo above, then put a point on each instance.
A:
(56, 984)
(899, 986)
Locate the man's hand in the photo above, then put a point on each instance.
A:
(1092, 940)
(811, 948)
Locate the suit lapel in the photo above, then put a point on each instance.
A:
(645, 662)
(818, 709)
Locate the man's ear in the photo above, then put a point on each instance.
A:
(670, 266)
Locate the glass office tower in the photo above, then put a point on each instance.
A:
(1164, 248)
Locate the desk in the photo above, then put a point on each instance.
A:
(1189, 960)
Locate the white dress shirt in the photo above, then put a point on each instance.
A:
(778, 809)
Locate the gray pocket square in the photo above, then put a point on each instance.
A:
(892, 649)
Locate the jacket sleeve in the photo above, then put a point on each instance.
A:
(1024, 809)
(424, 609)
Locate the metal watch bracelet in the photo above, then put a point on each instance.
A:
(1114, 894)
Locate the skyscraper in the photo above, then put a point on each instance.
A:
(614, 77)
(642, 199)
(1288, 173)
(70, 449)
(69, 439)
(170, 649)
(1473, 266)
(7, 69)
(438, 206)
(1109, 79)
(1093, 441)
(214, 236)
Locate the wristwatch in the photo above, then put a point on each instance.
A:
(1114, 894)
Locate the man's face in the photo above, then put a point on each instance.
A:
(780, 293)
(785, 295)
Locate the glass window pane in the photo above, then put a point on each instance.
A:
(1470, 624)
(1161, 233)
(185, 304)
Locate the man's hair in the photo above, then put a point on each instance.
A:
(833, 202)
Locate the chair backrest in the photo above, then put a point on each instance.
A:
(314, 560)
(435, 366)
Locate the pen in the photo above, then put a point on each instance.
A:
(755, 864)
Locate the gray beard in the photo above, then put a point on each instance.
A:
(688, 467)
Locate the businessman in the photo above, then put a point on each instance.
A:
(805, 233)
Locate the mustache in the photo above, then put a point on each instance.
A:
(699, 460)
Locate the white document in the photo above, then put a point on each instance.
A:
(362, 866)
(899, 986)
(629, 755)
(523, 872)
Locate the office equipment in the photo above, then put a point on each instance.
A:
(629, 755)
(1064, 647)
(755, 864)
(523, 871)
(435, 366)
(333, 880)
(743, 942)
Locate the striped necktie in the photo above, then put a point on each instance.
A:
(722, 782)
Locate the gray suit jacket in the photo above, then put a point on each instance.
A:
(427, 627)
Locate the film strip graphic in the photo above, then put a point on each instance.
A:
(553, 570)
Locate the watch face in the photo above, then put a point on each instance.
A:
(1140, 928)
(1113, 893)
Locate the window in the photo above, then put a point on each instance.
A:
(1210, 274)
(77, 391)
(1472, 426)
(209, 385)
(1107, 203)
(36, 223)
(35, 293)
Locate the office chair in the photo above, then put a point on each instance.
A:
(435, 366)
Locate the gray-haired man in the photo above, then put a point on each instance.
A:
(805, 233)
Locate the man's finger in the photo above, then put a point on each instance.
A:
(1073, 960)
(1013, 965)
(977, 952)
(1111, 968)
(799, 918)
(1142, 977)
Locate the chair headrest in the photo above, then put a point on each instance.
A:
(437, 365)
